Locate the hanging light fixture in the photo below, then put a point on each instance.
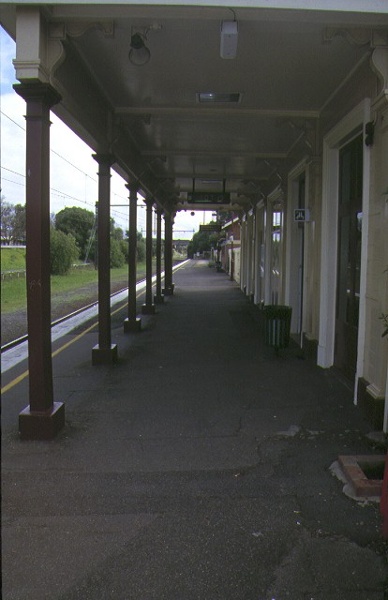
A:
(139, 54)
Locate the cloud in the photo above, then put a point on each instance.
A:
(12, 148)
(73, 171)
(7, 53)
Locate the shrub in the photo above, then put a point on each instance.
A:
(117, 257)
(80, 223)
(124, 248)
(141, 250)
(63, 252)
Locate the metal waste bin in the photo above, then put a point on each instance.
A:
(277, 323)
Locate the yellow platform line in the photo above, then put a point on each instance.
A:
(22, 376)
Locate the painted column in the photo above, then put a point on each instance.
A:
(379, 64)
(231, 259)
(105, 352)
(132, 322)
(168, 284)
(243, 255)
(149, 307)
(43, 418)
(159, 298)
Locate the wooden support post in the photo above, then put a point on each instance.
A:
(105, 352)
(132, 322)
(149, 307)
(43, 418)
(384, 500)
(168, 284)
(159, 297)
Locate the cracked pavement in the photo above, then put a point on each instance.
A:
(196, 468)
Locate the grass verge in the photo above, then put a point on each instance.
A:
(77, 284)
(13, 259)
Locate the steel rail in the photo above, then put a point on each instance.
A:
(24, 338)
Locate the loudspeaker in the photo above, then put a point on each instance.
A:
(229, 36)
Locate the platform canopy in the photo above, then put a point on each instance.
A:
(227, 100)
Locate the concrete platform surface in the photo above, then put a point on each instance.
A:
(197, 468)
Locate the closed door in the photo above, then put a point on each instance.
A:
(349, 257)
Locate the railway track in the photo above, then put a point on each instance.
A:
(24, 338)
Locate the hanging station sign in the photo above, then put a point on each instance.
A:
(210, 227)
(208, 198)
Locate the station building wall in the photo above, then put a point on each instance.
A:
(283, 261)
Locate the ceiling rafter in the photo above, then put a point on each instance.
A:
(200, 153)
(214, 111)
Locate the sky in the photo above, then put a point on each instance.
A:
(73, 171)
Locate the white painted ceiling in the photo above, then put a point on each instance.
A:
(285, 70)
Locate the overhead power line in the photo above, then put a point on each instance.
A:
(15, 182)
(14, 172)
(59, 193)
(15, 123)
(74, 166)
(65, 196)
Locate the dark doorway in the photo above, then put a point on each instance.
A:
(349, 256)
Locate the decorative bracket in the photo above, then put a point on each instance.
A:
(379, 64)
(78, 28)
(375, 38)
(57, 33)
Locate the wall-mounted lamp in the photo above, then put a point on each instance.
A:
(139, 54)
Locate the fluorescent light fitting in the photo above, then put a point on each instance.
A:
(214, 97)
(229, 38)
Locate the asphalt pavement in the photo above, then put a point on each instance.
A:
(197, 468)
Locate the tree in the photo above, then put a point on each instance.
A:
(202, 241)
(117, 256)
(6, 215)
(141, 246)
(124, 248)
(13, 223)
(79, 222)
(63, 252)
(19, 224)
(117, 233)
